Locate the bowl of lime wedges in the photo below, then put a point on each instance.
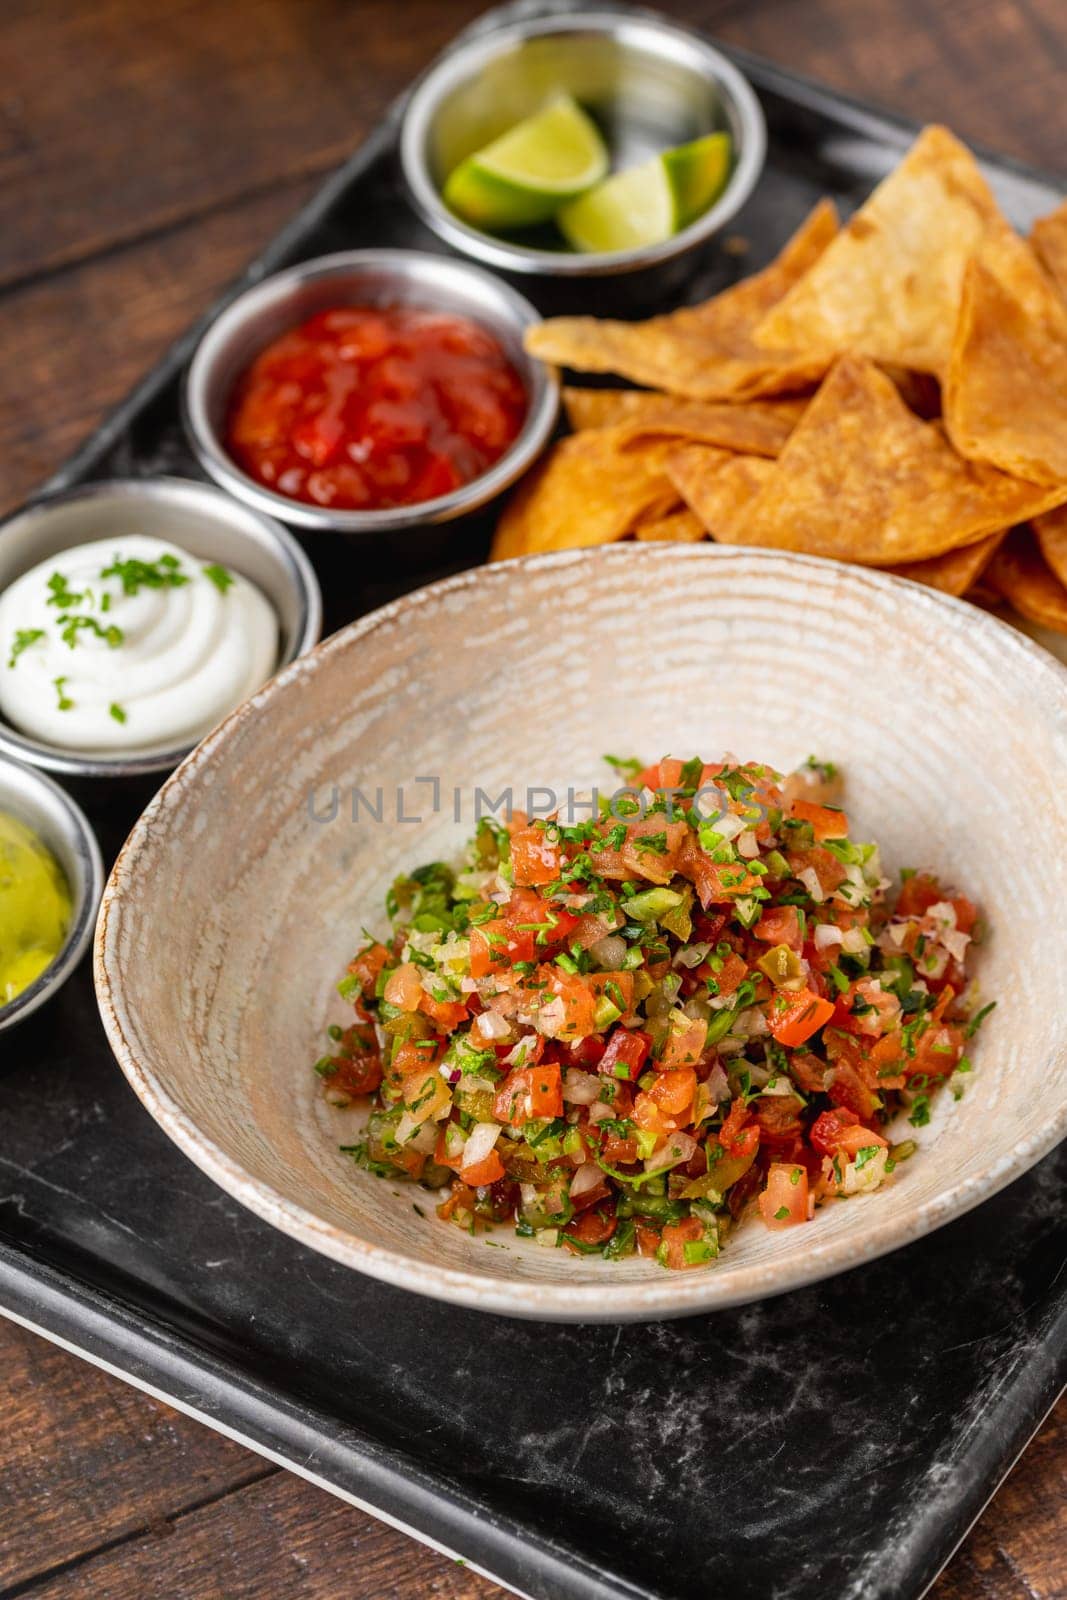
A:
(582, 143)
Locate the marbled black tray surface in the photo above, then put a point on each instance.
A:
(832, 1443)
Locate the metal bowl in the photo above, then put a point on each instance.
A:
(197, 518)
(53, 816)
(648, 83)
(362, 277)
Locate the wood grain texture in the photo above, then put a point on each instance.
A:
(145, 154)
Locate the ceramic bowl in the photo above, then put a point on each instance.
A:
(952, 730)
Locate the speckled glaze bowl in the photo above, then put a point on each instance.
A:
(952, 729)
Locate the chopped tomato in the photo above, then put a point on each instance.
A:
(618, 987)
(579, 1005)
(784, 1201)
(403, 988)
(653, 847)
(592, 1227)
(675, 1237)
(626, 1053)
(535, 855)
(367, 966)
(841, 1131)
(780, 925)
(497, 945)
(490, 1170)
(512, 1098)
(826, 821)
(650, 1117)
(684, 1044)
(587, 1053)
(937, 1052)
(828, 870)
(445, 1014)
(738, 1135)
(673, 1091)
(665, 774)
(357, 1073)
(846, 1087)
(796, 1015)
(545, 1091)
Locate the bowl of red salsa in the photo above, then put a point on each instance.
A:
(368, 390)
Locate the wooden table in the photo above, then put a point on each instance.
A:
(146, 151)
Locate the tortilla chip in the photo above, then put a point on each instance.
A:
(1005, 397)
(957, 570)
(757, 426)
(586, 491)
(1018, 572)
(715, 490)
(681, 527)
(1049, 238)
(862, 479)
(1051, 531)
(704, 352)
(889, 285)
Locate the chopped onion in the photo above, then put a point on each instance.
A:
(729, 826)
(943, 913)
(747, 845)
(826, 935)
(609, 952)
(491, 1025)
(483, 1136)
(810, 879)
(417, 1133)
(898, 932)
(717, 1086)
(600, 1111)
(955, 943)
(580, 1088)
(587, 1177)
(529, 1196)
(522, 1050)
(552, 1017)
(678, 1148)
(691, 955)
(548, 1238)
(853, 942)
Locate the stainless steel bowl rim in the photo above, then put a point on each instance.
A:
(20, 748)
(460, 60)
(408, 267)
(42, 797)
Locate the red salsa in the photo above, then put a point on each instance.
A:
(362, 408)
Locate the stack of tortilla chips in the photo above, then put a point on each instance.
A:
(893, 393)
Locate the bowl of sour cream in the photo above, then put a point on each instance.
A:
(135, 616)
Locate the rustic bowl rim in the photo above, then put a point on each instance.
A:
(675, 1294)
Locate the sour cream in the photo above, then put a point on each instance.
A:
(130, 643)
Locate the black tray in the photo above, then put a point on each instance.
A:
(835, 1442)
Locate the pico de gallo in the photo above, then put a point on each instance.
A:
(620, 1034)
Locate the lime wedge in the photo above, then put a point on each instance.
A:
(529, 172)
(698, 174)
(647, 204)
